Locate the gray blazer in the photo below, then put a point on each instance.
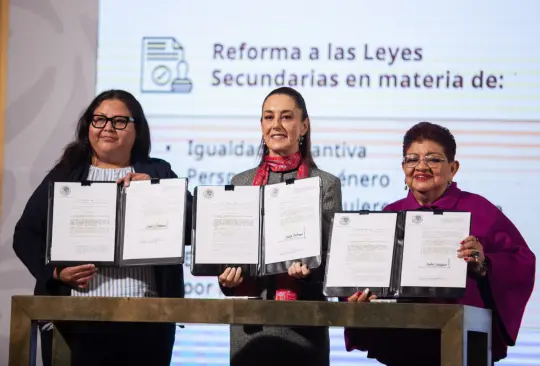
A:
(308, 343)
(331, 196)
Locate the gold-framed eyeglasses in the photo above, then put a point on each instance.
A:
(117, 122)
(432, 161)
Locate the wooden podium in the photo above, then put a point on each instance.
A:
(465, 331)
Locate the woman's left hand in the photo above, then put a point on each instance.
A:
(472, 251)
(132, 176)
(299, 270)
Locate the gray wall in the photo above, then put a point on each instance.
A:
(51, 75)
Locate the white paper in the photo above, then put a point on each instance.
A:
(292, 221)
(361, 250)
(227, 225)
(84, 221)
(430, 249)
(154, 219)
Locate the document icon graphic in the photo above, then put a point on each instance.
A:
(163, 66)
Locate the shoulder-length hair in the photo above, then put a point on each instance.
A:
(80, 151)
(305, 147)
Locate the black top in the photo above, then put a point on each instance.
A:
(29, 239)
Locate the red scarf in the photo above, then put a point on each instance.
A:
(280, 164)
(286, 286)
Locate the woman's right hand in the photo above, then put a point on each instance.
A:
(361, 297)
(231, 277)
(77, 276)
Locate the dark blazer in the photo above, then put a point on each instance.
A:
(29, 239)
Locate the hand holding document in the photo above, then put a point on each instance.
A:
(361, 250)
(397, 254)
(106, 224)
(256, 227)
(76, 276)
(430, 247)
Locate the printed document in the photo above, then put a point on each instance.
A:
(83, 222)
(361, 250)
(292, 221)
(227, 225)
(154, 219)
(430, 249)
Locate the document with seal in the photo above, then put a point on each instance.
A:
(154, 221)
(105, 223)
(262, 230)
(82, 226)
(227, 226)
(430, 249)
(361, 251)
(405, 254)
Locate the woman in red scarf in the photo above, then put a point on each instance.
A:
(285, 154)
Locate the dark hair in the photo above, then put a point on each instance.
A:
(430, 131)
(80, 152)
(305, 147)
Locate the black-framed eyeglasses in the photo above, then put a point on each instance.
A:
(117, 122)
(432, 161)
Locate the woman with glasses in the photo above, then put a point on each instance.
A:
(112, 143)
(501, 267)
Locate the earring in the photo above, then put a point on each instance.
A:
(449, 183)
(301, 140)
(406, 186)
